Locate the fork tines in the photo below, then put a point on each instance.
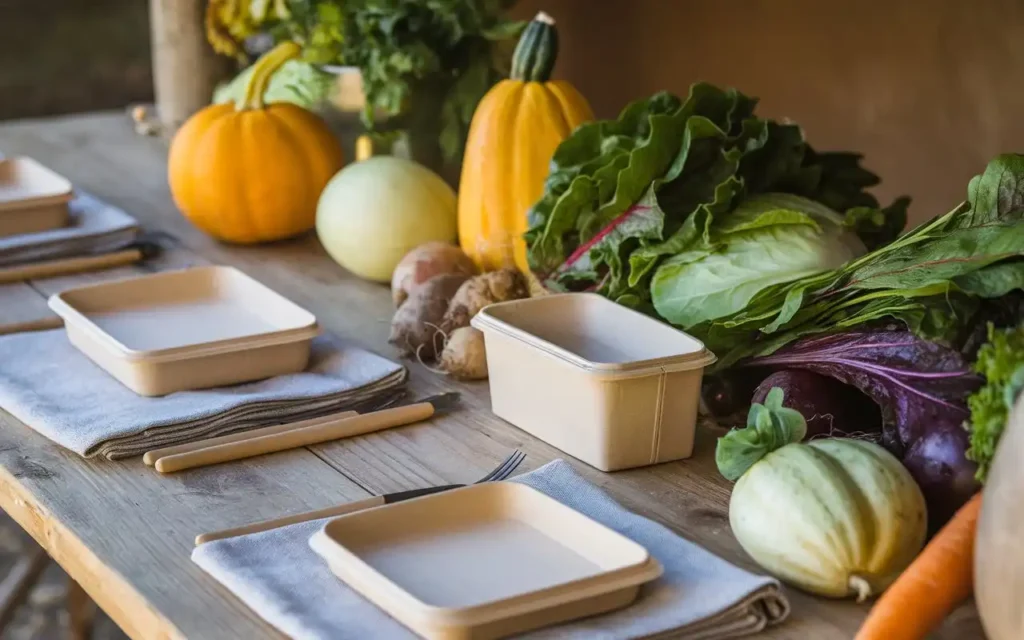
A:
(506, 468)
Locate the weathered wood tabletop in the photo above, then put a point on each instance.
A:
(125, 533)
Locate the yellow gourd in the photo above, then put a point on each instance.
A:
(513, 135)
(253, 173)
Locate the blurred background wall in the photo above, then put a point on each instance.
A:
(65, 56)
(928, 90)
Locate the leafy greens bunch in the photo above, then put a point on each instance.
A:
(932, 280)
(689, 208)
(428, 60)
(425, 64)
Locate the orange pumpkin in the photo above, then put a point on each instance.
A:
(253, 172)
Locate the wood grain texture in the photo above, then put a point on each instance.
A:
(144, 579)
(20, 304)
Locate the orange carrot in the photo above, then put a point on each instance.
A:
(939, 579)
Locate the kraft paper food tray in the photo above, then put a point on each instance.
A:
(485, 561)
(32, 197)
(190, 329)
(609, 385)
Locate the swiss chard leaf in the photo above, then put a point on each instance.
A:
(699, 158)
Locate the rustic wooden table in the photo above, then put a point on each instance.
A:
(125, 533)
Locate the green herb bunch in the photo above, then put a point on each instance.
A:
(1001, 361)
(425, 63)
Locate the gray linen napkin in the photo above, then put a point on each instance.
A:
(95, 227)
(699, 597)
(53, 388)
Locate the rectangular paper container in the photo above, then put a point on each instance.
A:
(32, 197)
(606, 384)
(191, 329)
(486, 561)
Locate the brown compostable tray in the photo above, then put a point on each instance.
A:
(190, 329)
(486, 561)
(604, 383)
(32, 197)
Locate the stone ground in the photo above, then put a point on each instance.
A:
(43, 616)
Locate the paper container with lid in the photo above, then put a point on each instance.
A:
(190, 329)
(486, 561)
(32, 197)
(606, 384)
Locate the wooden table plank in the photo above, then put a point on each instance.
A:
(21, 305)
(101, 154)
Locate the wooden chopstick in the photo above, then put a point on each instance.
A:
(66, 266)
(267, 525)
(294, 438)
(152, 456)
(42, 324)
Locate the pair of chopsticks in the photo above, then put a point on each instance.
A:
(257, 442)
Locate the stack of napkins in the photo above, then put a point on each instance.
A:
(94, 227)
(56, 390)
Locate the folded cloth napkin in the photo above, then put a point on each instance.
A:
(699, 597)
(53, 388)
(95, 227)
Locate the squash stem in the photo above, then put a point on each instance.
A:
(861, 587)
(535, 54)
(262, 71)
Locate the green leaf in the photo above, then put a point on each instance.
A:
(998, 193)
(621, 158)
(769, 427)
(1001, 361)
(425, 64)
(764, 245)
(944, 258)
(296, 81)
(683, 241)
(994, 281)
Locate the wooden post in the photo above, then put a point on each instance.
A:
(81, 612)
(185, 68)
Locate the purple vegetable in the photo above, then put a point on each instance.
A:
(727, 396)
(830, 407)
(921, 388)
(946, 478)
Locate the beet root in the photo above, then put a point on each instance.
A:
(830, 407)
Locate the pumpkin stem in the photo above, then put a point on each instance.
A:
(262, 71)
(861, 587)
(535, 54)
